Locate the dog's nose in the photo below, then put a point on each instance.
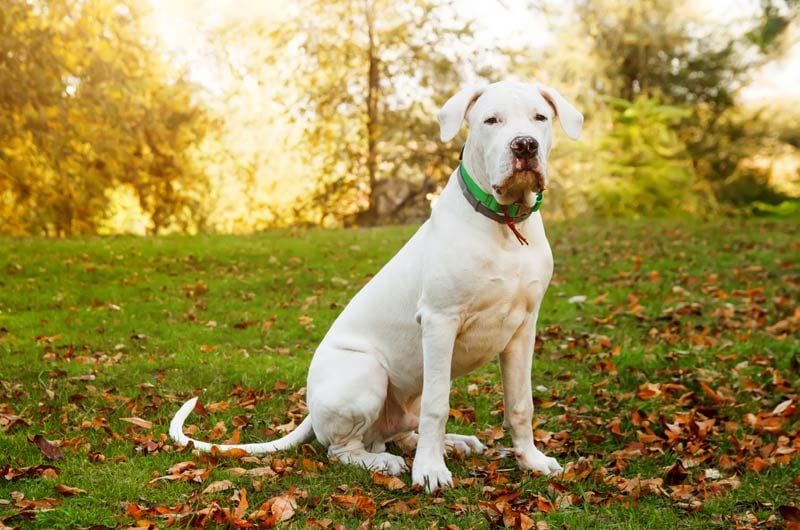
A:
(524, 146)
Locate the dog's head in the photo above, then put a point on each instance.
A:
(511, 131)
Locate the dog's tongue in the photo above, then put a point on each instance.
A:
(519, 164)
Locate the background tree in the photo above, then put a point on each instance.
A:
(323, 112)
(89, 106)
(364, 80)
(665, 50)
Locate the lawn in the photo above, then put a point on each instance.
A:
(667, 374)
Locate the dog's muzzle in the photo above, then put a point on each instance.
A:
(525, 175)
(525, 172)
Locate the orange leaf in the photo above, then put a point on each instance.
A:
(713, 394)
(234, 439)
(238, 513)
(68, 491)
(139, 422)
(392, 483)
(757, 464)
(790, 514)
(219, 485)
(648, 391)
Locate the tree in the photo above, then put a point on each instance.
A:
(364, 79)
(659, 49)
(88, 106)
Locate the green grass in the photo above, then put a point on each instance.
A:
(95, 330)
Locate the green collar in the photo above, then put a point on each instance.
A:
(486, 204)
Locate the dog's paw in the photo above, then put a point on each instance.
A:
(387, 463)
(465, 445)
(432, 477)
(537, 461)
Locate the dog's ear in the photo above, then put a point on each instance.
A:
(455, 110)
(571, 120)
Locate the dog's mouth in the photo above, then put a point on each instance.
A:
(525, 175)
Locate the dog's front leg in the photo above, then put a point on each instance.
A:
(438, 336)
(515, 365)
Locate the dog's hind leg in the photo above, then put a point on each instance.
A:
(347, 392)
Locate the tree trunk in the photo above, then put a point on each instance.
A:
(373, 81)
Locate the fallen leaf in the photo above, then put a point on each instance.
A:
(713, 394)
(48, 448)
(275, 510)
(11, 421)
(240, 497)
(676, 474)
(218, 431)
(139, 422)
(42, 470)
(790, 514)
(364, 505)
(387, 481)
(219, 485)
(234, 439)
(648, 391)
(68, 491)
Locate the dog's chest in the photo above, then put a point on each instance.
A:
(504, 299)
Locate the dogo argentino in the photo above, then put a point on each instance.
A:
(467, 286)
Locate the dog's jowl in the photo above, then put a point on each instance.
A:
(465, 288)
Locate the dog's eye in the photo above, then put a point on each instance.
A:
(540, 117)
(491, 120)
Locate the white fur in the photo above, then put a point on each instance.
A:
(460, 291)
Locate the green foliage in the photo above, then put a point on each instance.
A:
(643, 166)
(665, 53)
(776, 16)
(87, 105)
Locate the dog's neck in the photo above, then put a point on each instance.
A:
(452, 202)
(473, 160)
(476, 192)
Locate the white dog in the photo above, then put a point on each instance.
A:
(465, 288)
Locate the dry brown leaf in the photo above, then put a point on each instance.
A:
(217, 486)
(219, 406)
(240, 497)
(68, 491)
(283, 508)
(41, 470)
(139, 422)
(715, 396)
(388, 481)
(364, 505)
(11, 421)
(48, 448)
(218, 431)
(791, 515)
(648, 391)
(275, 510)
(234, 439)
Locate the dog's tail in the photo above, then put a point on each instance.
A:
(303, 433)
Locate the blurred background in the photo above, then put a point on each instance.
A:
(161, 116)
